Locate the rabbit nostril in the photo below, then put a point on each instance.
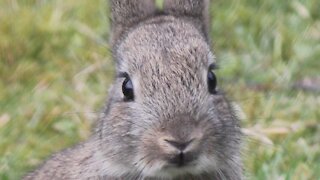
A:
(179, 145)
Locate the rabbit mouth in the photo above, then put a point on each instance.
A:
(181, 160)
(167, 170)
(178, 169)
(173, 171)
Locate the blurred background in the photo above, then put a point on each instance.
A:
(55, 68)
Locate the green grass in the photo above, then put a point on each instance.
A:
(55, 68)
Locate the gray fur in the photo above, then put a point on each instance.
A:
(167, 57)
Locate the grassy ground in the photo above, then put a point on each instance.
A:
(55, 67)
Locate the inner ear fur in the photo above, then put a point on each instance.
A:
(125, 13)
(198, 9)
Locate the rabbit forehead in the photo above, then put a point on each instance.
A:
(166, 43)
(166, 60)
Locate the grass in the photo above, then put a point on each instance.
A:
(55, 68)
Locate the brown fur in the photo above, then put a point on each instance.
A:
(167, 56)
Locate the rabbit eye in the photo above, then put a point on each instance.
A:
(212, 80)
(127, 89)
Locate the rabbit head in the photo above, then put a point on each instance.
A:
(165, 115)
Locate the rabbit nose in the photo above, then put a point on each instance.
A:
(183, 155)
(179, 145)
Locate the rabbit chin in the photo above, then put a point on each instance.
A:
(162, 169)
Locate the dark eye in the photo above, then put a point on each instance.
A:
(212, 80)
(127, 89)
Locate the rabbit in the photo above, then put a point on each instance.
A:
(165, 117)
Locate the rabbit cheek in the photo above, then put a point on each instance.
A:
(149, 157)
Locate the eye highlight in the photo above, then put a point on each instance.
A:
(127, 89)
(212, 80)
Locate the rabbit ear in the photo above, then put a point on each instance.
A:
(125, 13)
(190, 8)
